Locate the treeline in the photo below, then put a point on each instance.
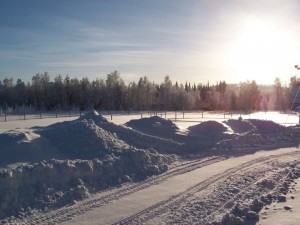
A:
(65, 93)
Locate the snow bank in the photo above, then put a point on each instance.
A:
(54, 183)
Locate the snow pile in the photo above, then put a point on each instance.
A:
(200, 138)
(240, 126)
(207, 127)
(136, 138)
(153, 133)
(82, 139)
(24, 146)
(265, 126)
(95, 154)
(258, 134)
(254, 126)
(95, 116)
(155, 126)
(11, 137)
(92, 136)
(54, 183)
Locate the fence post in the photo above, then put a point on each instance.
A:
(165, 114)
(141, 115)
(5, 116)
(111, 116)
(202, 114)
(175, 116)
(224, 114)
(41, 114)
(24, 114)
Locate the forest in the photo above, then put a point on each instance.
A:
(65, 93)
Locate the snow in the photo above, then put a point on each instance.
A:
(210, 127)
(158, 159)
(286, 213)
(171, 188)
(154, 126)
(26, 124)
(24, 146)
(240, 126)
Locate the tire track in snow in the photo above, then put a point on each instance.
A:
(281, 174)
(162, 207)
(70, 212)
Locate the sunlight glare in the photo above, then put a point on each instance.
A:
(262, 51)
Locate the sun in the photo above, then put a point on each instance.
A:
(262, 51)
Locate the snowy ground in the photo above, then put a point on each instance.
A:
(182, 119)
(152, 171)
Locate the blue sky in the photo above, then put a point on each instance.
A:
(193, 40)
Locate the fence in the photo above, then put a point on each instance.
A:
(13, 116)
(176, 116)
